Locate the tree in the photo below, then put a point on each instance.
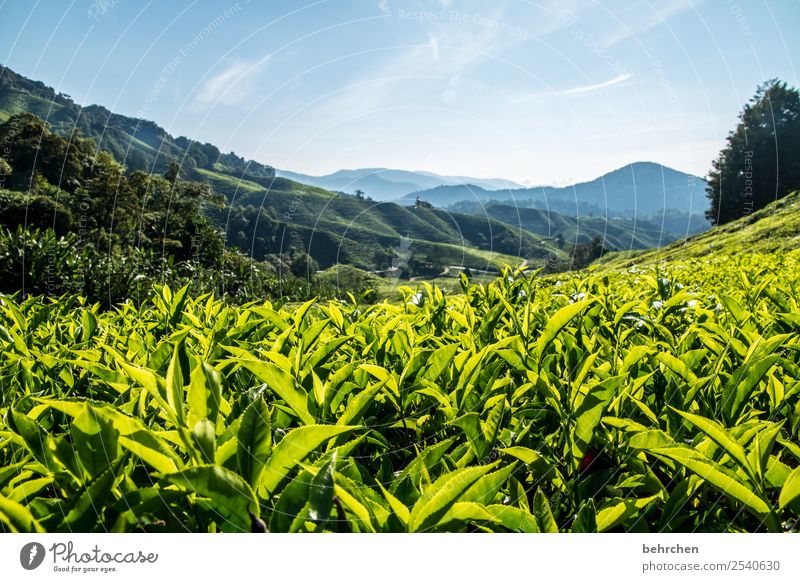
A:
(30, 147)
(173, 172)
(303, 265)
(761, 160)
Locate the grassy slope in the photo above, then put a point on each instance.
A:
(345, 229)
(773, 229)
(619, 234)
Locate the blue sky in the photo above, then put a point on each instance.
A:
(537, 92)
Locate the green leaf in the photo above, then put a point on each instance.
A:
(282, 384)
(295, 447)
(618, 511)
(26, 490)
(398, 507)
(741, 385)
(229, 494)
(557, 322)
(439, 360)
(464, 511)
(321, 496)
(205, 440)
(513, 518)
(791, 489)
(17, 517)
(719, 435)
(487, 487)
(133, 434)
(35, 437)
(543, 514)
(175, 382)
(254, 442)
(586, 519)
(721, 479)
(86, 512)
(359, 403)
(437, 499)
(542, 469)
(493, 422)
(589, 412)
(470, 423)
(151, 449)
(204, 393)
(95, 439)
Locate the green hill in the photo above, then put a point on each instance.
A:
(266, 215)
(771, 230)
(338, 228)
(138, 143)
(619, 233)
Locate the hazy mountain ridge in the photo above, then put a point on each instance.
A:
(639, 190)
(390, 184)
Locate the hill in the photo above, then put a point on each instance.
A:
(338, 228)
(771, 230)
(387, 184)
(268, 215)
(138, 143)
(638, 190)
(618, 232)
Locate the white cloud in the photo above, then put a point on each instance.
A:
(449, 50)
(645, 17)
(232, 85)
(434, 47)
(621, 78)
(383, 6)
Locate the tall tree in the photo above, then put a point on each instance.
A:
(761, 160)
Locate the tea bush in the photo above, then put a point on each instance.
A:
(641, 399)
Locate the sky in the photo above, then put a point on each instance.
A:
(535, 92)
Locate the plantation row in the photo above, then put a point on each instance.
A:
(628, 401)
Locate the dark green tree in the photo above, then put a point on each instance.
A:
(761, 160)
(303, 265)
(30, 147)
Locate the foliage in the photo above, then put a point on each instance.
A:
(632, 400)
(760, 161)
(771, 230)
(140, 144)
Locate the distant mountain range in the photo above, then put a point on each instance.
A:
(387, 184)
(638, 190)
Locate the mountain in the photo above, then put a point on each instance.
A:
(386, 184)
(138, 143)
(638, 190)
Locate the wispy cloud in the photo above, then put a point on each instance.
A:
(645, 17)
(434, 47)
(450, 50)
(232, 85)
(621, 78)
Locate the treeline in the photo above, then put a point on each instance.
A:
(72, 220)
(760, 162)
